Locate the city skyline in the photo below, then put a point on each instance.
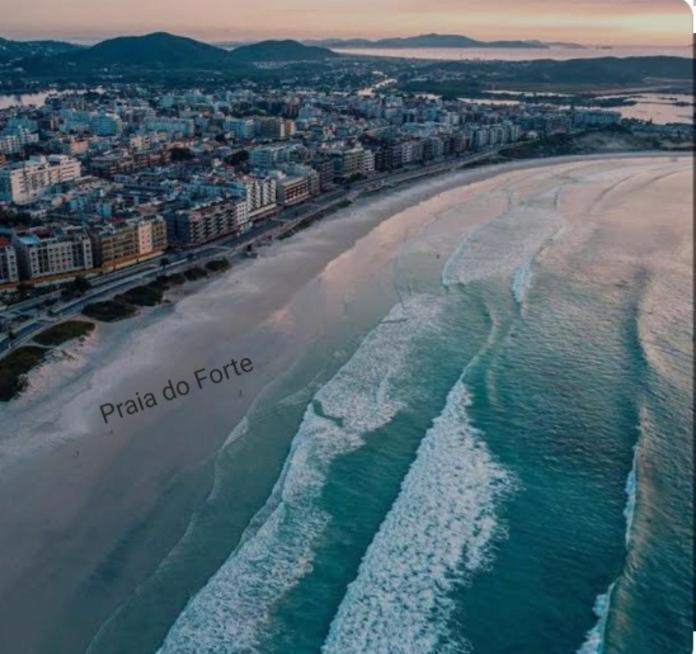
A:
(624, 22)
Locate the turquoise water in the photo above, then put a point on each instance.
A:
(502, 464)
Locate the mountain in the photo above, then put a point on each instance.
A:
(10, 50)
(167, 53)
(340, 43)
(428, 41)
(280, 51)
(158, 50)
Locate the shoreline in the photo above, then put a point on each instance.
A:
(292, 227)
(264, 302)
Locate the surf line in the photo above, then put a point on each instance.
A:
(173, 390)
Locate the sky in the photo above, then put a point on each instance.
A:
(607, 22)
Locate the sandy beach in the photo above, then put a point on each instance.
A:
(88, 509)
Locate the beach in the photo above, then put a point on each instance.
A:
(100, 518)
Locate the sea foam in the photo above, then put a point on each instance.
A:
(505, 246)
(437, 534)
(232, 613)
(594, 639)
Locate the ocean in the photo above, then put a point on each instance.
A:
(491, 453)
(559, 53)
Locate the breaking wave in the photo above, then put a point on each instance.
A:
(232, 612)
(437, 534)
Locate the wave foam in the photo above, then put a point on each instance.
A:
(594, 640)
(233, 610)
(437, 534)
(505, 246)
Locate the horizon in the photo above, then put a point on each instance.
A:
(638, 23)
(89, 40)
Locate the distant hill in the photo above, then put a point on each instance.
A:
(605, 70)
(158, 50)
(287, 50)
(427, 41)
(164, 53)
(475, 76)
(10, 50)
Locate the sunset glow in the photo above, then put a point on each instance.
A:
(620, 22)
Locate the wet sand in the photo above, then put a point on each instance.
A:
(88, 505)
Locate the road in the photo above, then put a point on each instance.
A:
(290, 219)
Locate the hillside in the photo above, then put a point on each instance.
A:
(602, 70)
(427, 41)
(158, 50)
(280, 51)
(10, 50)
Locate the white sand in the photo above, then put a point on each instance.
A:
(71, 487)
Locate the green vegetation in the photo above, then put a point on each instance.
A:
(286, 50)
(15, 219)
(109, 310)
(175, 279)
(77, 287)
(15, 366)
(147, 295)
(610, 139)
(15, 49)
(217, 265)
(64, 331)
(195, 273)
(593, 71)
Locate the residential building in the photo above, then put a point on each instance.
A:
(207, 221)
(43, 252)
(124, 243)
(24, 182)
(9, 272)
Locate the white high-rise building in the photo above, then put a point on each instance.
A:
(24, 182)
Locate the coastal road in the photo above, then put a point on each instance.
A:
(282, 224)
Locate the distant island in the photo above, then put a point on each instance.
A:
(434, 41)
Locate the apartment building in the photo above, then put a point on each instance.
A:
(43, 252)
(206, 222)
(24, 182)
(124, 243)
(292, 189)
(14, 139)
(9, 272)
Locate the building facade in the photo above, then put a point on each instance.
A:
(26, 181)
(42, 253)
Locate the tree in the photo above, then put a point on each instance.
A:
(23, 290)
(181, 154)
(237, 158)
(78, 286)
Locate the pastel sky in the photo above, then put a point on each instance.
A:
(614, 22)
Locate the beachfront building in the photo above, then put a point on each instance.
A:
(24, 182)
(130, 241)
(44, 252)
(292, 189)
(259, 193)
(207, 221)
(9, 272)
